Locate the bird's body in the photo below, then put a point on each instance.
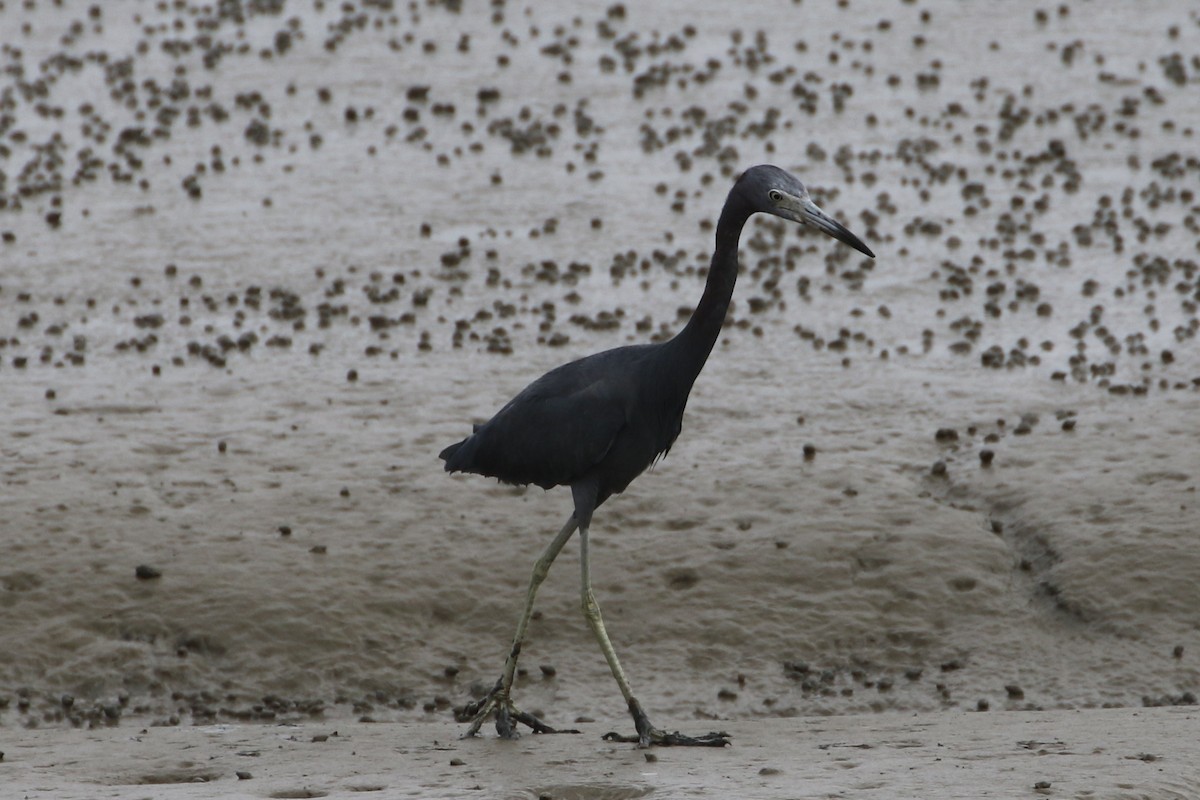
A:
(602, 418)
(596, 423)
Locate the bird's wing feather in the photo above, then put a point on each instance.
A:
(551, 433)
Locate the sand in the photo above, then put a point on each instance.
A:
(1098, 754)
(259, 265)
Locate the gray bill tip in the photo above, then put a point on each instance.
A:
(846, 237)
(813, 215)
(839, 231)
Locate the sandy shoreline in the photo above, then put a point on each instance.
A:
(1095, 754)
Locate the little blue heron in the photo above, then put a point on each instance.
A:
(596, 423)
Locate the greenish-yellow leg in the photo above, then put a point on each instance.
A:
(498, 701)
(647, 734)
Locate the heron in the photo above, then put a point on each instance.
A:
(596, 423)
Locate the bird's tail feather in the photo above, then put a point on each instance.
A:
(449, 452)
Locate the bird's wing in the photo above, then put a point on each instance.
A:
(549, 435)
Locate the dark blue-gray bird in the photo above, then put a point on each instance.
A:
(597, 423)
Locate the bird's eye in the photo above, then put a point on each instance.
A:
(775, 195)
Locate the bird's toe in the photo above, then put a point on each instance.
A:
(677, 739)
(498, 704)
(504, 724)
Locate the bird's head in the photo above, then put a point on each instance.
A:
(772, 190)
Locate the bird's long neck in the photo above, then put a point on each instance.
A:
(690, 348)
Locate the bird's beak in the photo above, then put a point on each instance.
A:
(809, 213)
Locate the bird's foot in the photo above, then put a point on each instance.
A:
(497, 703)
(648, 735)
(663, 739)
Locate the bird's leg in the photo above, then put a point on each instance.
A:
(498, 701)
(647, 734)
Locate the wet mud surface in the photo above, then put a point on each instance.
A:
(259, 263)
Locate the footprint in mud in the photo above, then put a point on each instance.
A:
(587, 791)
(182, 775)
